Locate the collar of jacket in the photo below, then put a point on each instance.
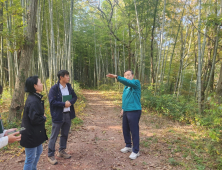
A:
(38, 95)
(68, 85)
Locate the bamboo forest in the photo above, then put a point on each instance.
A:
(173, 47)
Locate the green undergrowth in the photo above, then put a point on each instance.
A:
(203, 146)
(183, 147)
(5, 104)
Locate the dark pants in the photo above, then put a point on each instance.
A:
(64, 126)
(131, 127)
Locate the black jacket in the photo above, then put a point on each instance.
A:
(34, 122)
(56, 104)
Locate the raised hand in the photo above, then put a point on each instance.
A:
(111, 75)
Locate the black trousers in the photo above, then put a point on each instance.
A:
(131, 128)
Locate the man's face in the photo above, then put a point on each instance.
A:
(128, 75)
(65, 79)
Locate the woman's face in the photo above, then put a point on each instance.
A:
(39, 86)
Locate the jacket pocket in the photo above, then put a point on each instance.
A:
(58, 114)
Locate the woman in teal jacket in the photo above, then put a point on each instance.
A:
(131, 111)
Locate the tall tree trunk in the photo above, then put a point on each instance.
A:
(1, 66)
(152, 44)
(1, 57)
(214, 58)
(181, 63)
(115, 55)
(162, 65)
(17, 103)
(9, 54)
(96, 61)
(52, 39)
(49, 54)
(39, 35)
(65, 47)
(124, 60)
(23, 15)
(182, 58)
(70, 40)
(135, 63)
(129, 43)
(161, 46)
(219, 86)
(141, 50)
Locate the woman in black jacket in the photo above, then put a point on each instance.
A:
(34, 122)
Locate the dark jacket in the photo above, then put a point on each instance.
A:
(56, 104)
(34, 122)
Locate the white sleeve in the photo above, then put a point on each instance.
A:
(2, 134)
(3, 141)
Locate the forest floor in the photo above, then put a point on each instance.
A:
(96, 143)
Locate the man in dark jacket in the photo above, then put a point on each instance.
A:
(62, 112)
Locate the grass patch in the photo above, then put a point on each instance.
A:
(77, 121)
(173, 162)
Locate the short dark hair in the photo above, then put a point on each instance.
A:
(29, 84)
(129, 70)
(62, 73)
(1, 89)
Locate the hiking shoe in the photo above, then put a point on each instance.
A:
(126, 149)
(134, 155)
(63, 154)
(52, 160)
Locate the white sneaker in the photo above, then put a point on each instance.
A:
(134, 155)
(126, 149)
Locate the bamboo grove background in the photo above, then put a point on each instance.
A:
(173, 46)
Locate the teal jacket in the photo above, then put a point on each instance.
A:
(131, 94)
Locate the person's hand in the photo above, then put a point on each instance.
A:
(121, 113)
(67, 104)
(111, 75)
(9, 130)
(13, 138)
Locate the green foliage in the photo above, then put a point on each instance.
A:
(173, 162)
(213, 20)
(212, 119)
(77, 121)
(5, 96)
(168, 105)
(186, 110)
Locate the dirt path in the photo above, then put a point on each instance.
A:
(96, 144)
